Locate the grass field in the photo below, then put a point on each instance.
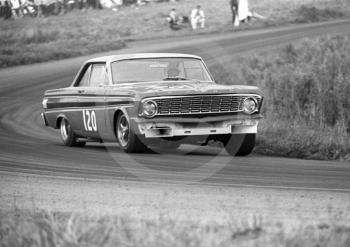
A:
(30, 40)
(52, 229)
(307, 104)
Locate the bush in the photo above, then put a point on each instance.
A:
(312, 14)
(307, 98)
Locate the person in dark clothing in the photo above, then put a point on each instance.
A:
(5, 9)
(2, 9)
(234, 9)
(8, 12)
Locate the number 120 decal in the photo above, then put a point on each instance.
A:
(89, 118)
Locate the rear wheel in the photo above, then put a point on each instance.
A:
(127, 139)
(240, 144)
(67, 135)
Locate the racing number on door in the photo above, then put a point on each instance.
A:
(89, 118)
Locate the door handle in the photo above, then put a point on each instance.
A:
(81, 91)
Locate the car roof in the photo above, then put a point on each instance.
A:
(113, 58)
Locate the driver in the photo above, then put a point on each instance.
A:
(173, 72)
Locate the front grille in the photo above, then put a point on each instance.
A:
(199, 104)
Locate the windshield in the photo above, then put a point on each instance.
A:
(159, 69)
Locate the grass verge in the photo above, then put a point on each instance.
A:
(31, 40)
(307, 104)
(52, 229)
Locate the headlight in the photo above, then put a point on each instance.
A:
(149, 108)
(249, 105)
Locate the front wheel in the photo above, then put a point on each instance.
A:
(240, 144)
(67, 135)
(127, 139)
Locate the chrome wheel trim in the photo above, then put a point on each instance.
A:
(123, 131)
(64, 129)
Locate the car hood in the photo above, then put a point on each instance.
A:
(176, 88)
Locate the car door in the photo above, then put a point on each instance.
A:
(92, 101)
(73, 99)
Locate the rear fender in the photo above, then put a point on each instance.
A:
(59, 118)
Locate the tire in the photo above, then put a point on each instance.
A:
(126, 137)
(67, 135)
(240, 145)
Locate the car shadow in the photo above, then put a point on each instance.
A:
(184, 150)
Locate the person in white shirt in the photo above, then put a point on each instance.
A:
(245, 14)
(16, 8)
(173, 16)
(243, 11)
(173, 20)
(197, 18)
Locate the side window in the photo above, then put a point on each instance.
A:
(98, 75)
(84, 81)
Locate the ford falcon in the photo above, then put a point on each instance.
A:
(153, 99)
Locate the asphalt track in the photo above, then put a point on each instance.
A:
(26, 146)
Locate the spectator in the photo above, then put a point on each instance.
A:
(244, 14)
(28, 7)
(2, 9)
(70, 4)
(173, 20)
(5, 9)
(234, 10)
(197, 17)
(16, 8)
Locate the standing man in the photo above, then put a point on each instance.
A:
(2, 8)
(197, 17)
(7, 9)
(16, 8)
(234, 10)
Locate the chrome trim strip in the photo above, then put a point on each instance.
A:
(70, 109)
(87, 97)
(200, 95)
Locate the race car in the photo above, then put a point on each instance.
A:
(153, 99)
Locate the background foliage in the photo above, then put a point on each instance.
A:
(307, 104)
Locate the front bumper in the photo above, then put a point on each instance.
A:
(183, 127)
